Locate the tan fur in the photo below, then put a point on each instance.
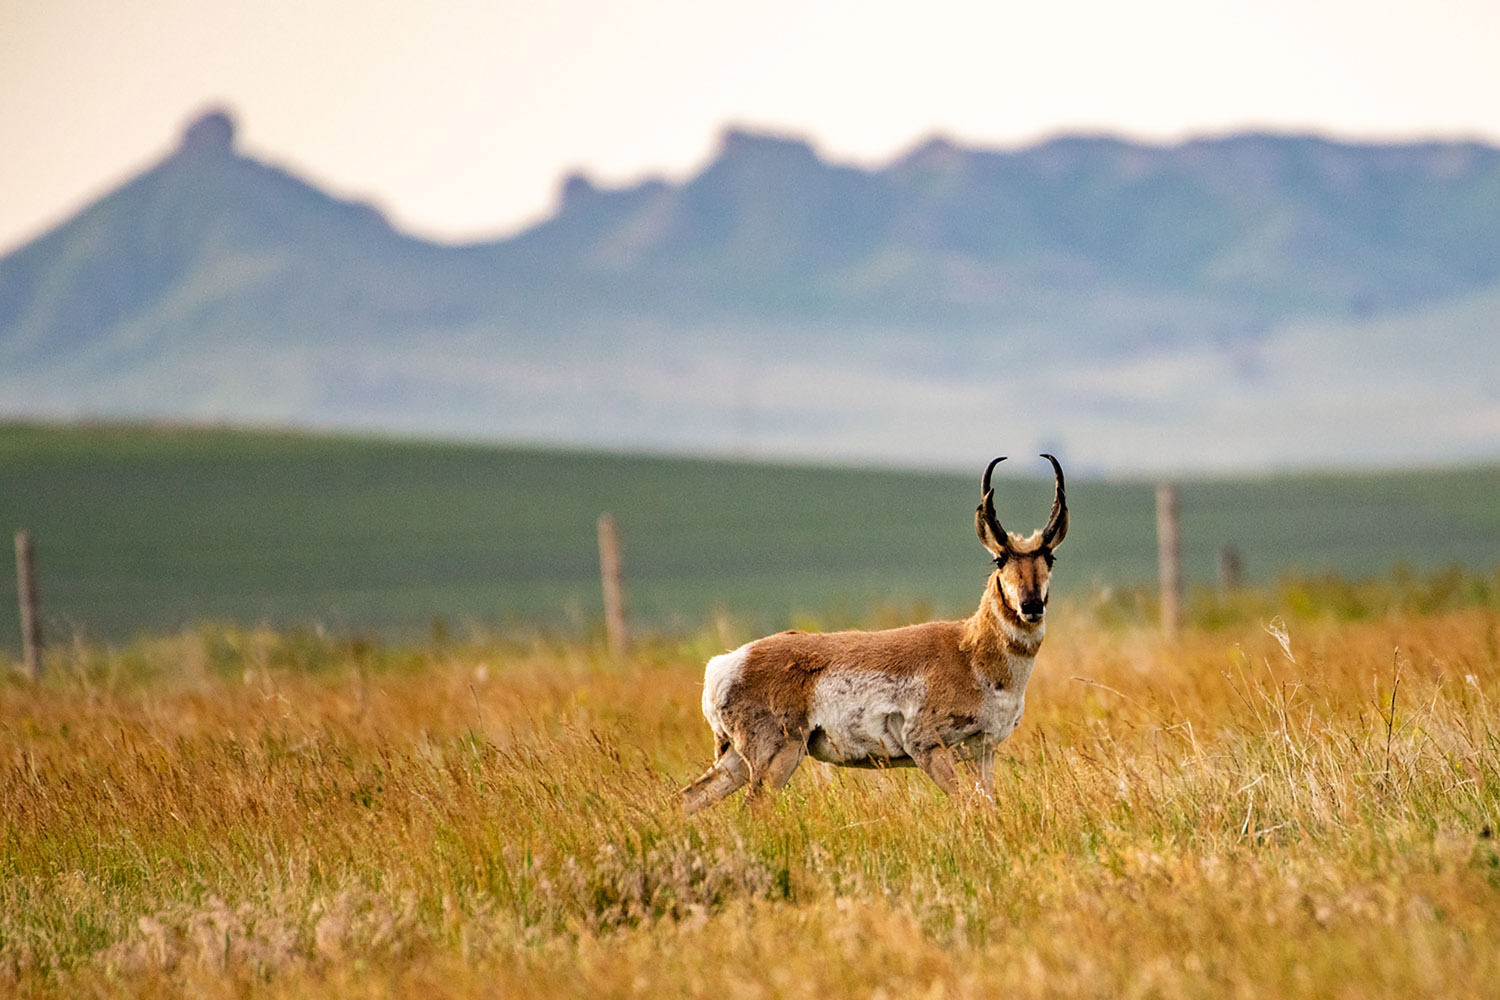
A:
(970, 672)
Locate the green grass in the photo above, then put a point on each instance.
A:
(146, 530)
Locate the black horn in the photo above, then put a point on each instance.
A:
(984, 484)
(1057, 524)
(984, 516)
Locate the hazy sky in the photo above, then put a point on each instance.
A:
(460, 119)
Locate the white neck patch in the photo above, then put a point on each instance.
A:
(1022, 641)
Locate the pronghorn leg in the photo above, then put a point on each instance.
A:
(938, 765)
(942, 766)
(776, 771)
(727, 775)
(986, 763)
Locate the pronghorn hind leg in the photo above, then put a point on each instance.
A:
(777, 771)
(727, 775)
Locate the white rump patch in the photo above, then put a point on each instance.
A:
(721, 673)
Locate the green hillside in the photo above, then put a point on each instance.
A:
(144, 529)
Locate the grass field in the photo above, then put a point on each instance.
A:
(1253, 811)
(147, 530)
(1297, 798)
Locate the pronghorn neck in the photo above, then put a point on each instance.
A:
(997, 639)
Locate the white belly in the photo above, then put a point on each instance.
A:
(862, 716)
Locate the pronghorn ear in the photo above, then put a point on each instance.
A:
(985, 525)
(1060, 532)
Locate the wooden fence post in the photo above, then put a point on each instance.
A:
(1168, 559)
(31, 622)
(1231, 569)
(614, 591)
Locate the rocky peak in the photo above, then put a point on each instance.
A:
(210, 133)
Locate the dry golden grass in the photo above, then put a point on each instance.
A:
(1248, 812)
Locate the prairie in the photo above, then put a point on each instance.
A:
(1288, 802)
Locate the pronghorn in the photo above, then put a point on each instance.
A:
(929, 696)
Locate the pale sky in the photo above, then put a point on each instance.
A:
(460, 119)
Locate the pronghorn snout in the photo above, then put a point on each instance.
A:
(1032, 610)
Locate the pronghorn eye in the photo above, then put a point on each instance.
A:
(1049, 559)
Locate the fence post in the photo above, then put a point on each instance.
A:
(1168, 559)
(1231, 569)
(31, 622)
(614, 591)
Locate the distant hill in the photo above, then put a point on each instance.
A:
(1249, 301)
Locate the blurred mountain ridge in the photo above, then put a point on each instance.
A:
(1245, 301)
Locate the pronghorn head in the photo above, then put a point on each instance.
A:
(1023, 566)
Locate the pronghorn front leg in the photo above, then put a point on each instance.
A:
(937, 763)
(985, 761)
(941, 764)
